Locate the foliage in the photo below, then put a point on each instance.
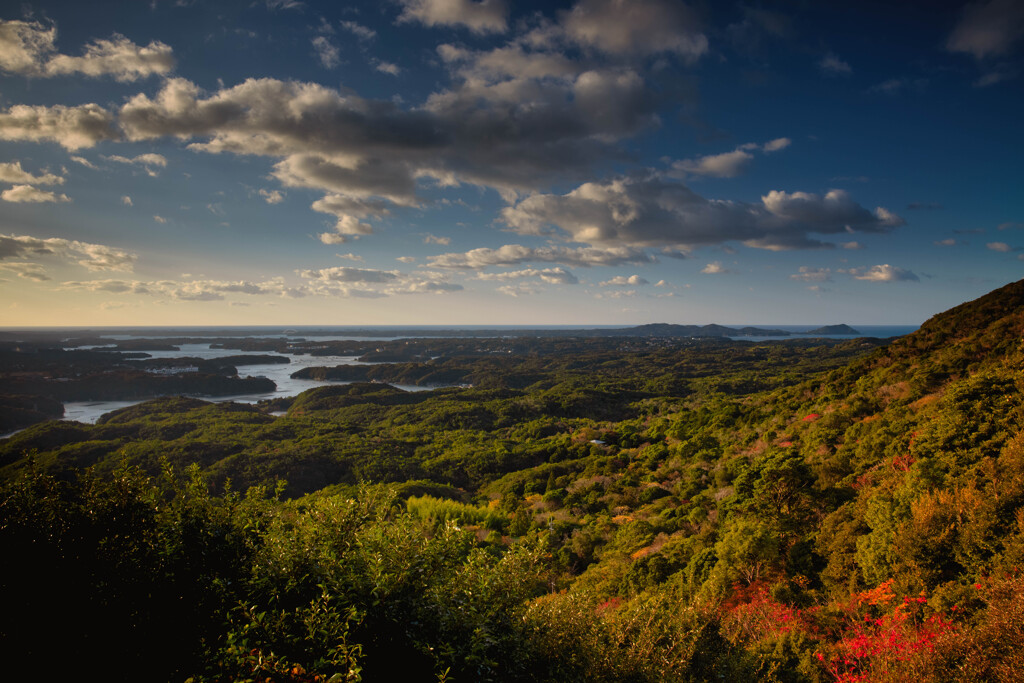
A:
(604, 509)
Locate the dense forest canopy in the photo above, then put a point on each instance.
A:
(582, 509)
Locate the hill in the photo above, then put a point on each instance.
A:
(833, 329)
(787, 511)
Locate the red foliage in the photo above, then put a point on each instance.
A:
(873, 643)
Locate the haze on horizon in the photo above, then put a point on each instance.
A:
(452, 162)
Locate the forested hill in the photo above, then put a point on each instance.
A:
(778, 511)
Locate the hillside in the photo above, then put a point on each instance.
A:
(738, 510)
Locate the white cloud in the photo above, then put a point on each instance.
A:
(272, 196)
(84, 162)
(12, 172)
(715, 268)
(28, 48)
(999, 246)
(406, 259)
(327, 52)
(883, 273)
(639, 27)
(358, 30)
(517, 290)
(434, 239)
(776, 144)
(484, 16)
(727, 165)
(809, 274)
(350, 256)
(515, 254)
(333, 238)
(160, 219)
(148, 161)
(553, 276)
(91, 256)
(949, 242)
(623, 281)
(70, 127)
(387, 68)
(346, 274)
(617, 294)
(988, 29)
(651, 211)
(24, 45)
(831, 64)
(347, 211)
(126, 200)
(27, 194)
(118, 57)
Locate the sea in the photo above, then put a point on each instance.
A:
(280, 373)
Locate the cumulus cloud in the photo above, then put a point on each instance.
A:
(190, 290)
(24, 45)
(511, 132)
(96, 257)
(119, 57)
(832, 65)
(988, 29)
(652, 211)
(12, 172)
(126, 200)
(853, 246)
(272, 196)
(999, 246)
(22, 194)
(434, 239)
(345, 274)
(515, 254)
(406, 259)
(636, 27)
(483, 16)
(29, 48)
(70, 127)
(714, 268)
(554, 276)
(148, 161)
(517, 290)
(727, 164)
(623, 281)
(326, 282)
(883, 273)
(387, 67)
(810, 274)
(84, 162)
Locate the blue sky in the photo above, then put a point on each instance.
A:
(501, 162)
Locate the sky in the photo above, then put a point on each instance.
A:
(463, 162)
